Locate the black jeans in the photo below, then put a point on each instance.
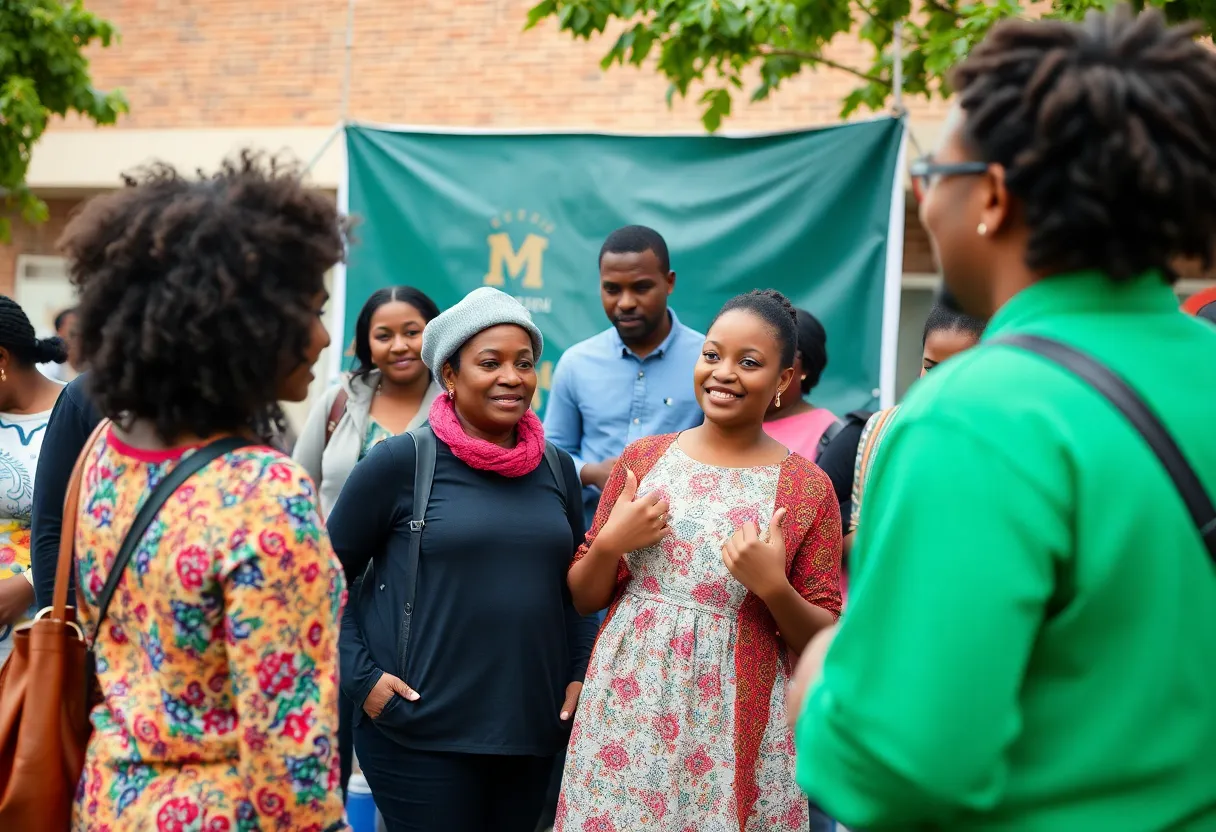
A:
(435, 791)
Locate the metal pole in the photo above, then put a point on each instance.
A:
(897, 71)
(316, 157)
(344, 107)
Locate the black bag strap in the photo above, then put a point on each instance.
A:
(1118, 393)
(834, 429)
(160, 495)
(831, 433)
(554, 459)
(424, 476)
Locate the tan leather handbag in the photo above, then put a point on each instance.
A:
(45, 692)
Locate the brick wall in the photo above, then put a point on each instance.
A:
(240, 63)
(270, 63)
(35, 240)
(918, 257)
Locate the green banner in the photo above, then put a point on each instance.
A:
(809, 213)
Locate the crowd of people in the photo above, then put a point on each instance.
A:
(632, 614)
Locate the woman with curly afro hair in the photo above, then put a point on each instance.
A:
(201, 302)
(1031, 634)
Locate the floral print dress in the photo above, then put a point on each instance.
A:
(218, 657)
(682, 721)
(21, 438)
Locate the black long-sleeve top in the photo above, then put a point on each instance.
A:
(72, 422)
(495, 639)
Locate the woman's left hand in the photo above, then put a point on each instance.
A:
(573, 691)
(810, 668)
(758, 564)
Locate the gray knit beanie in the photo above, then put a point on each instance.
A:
(481, 309)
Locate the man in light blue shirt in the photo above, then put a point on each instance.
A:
(632, 380)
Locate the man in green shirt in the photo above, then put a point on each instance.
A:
(1030, 642)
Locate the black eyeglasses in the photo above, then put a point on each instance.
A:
(924, 172)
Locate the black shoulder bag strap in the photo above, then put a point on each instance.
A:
(160, 495)
(424, 475)
(554, 459)
(834, 429)
(831, 433)
(1118, 393)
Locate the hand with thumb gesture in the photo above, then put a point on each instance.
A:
(758, 563)
(635, 522)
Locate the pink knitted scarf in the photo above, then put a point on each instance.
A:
(486, 456)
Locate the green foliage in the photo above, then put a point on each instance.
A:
(43, 72)
(712, 42)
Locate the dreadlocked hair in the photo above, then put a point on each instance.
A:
(776, 311)
(18, 337)
(1104, 129)
(198, 294)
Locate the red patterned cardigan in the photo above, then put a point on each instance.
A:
(812, 541)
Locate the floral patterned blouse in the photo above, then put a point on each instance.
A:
(218, 657)
(681, 725)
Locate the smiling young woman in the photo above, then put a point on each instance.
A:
(458, 734)
(707, 544)
(389, 392)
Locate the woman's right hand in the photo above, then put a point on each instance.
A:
(386, 687)
(635, 522)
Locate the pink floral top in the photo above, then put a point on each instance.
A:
(681, 724)
(218, 657)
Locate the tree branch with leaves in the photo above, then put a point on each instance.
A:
(44, 73)
(710, 44)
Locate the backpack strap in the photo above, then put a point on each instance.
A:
(831, 433)
(424, 476)
(336, 411)
(160, 495)
(1103, 380)
(853, 417)
(554, 459)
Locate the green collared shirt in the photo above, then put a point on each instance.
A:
(1030, 642)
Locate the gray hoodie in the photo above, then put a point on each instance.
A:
(330, 465)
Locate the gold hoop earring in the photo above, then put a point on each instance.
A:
(982, 229)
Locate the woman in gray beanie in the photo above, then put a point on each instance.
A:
(459, 733)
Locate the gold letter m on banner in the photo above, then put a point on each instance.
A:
(528, 261)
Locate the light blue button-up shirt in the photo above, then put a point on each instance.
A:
(604, 397)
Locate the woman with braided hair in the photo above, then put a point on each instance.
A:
(1031, 632)
(719, 552)
(26, 400)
